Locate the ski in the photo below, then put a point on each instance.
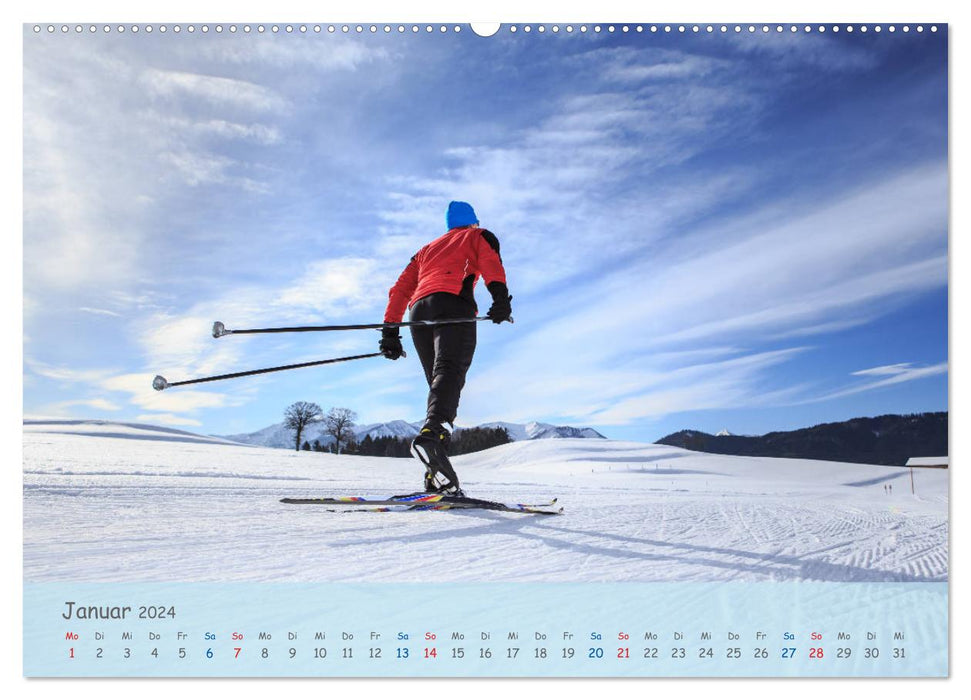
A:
(428, 501)
(410, 498)
(403, 508)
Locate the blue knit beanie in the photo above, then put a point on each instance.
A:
(460, 214)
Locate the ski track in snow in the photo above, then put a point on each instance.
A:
(115, 503)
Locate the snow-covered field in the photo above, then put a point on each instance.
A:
(125, 503)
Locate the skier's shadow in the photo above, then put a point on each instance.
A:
(776, 567)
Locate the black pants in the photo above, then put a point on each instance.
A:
(445, 351)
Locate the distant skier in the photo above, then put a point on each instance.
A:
(438, 283)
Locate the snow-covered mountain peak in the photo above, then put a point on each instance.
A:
(395, 428)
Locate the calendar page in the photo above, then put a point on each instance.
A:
(395, 350)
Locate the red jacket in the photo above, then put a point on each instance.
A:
(452, 263)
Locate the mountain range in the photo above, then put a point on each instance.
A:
(278, 435)
(889, 439)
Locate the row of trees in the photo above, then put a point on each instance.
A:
(339, 424)
(463, 441)
(370, 447)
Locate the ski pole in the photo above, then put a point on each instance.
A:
(160, 382)
(219, 328)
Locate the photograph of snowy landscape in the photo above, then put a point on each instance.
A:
(710, 270)
(127, 502)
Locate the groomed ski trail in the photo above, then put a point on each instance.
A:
(133, 505)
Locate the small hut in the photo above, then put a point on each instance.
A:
(925, 463)
(928, 462)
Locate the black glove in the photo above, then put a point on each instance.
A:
(390, 345)
(501, 309)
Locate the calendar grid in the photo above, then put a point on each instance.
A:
(556, 630)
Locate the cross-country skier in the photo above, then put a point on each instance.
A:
(439, 283)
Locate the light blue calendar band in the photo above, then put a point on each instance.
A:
(725, 629)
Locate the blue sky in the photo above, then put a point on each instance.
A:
(709, 231)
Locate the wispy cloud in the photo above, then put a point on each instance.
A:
(227, 92)
(728, 384)
(207, 169)
(332, 286)
(252, 132)
(886, 370)
(98, 312)
(790, 52)
(838, 261)
(66, 374)
(319, 54)
(97, 404)
(583, 385)
(895, 374)
(637, 66)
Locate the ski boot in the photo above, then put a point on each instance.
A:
(430, 448)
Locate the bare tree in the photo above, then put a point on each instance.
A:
(338, 423)
(299, 415)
